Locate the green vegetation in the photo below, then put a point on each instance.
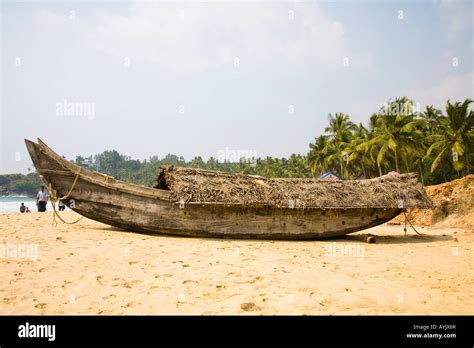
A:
(19, 184)
(439, 147)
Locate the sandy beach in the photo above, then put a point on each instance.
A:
(92, 268)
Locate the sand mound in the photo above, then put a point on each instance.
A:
(454, 202)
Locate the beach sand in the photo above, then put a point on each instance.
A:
(92, 268)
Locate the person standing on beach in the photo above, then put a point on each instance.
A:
(41, 199)
(61, 206)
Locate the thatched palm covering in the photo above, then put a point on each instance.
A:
(206, 186)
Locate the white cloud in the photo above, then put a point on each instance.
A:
(455, 88)
(458, 15)
(47, 19)
(197, 37)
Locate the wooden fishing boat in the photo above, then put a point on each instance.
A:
(191, 202)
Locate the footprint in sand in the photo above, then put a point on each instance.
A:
(129, 285)
(325, 303)
(109, 296)
(250, 307)
(8, 299)
(255, 279)
(128, 305)
(65, 284)
(284, 270)
(41, 306)
(189, 281)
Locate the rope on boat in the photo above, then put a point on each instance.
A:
(54, 199)
(413, 227)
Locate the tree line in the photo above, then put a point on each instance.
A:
(19, 184)
(436, 144)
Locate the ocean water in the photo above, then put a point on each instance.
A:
(11, 204)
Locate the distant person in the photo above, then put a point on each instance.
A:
(22, 208)
(61, 206)
(28, 210)
(41, 199)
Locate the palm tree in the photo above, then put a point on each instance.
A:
(316, 158)
(371, 149)
(395, 131)
(432, 118)
(340, 133)
(354, 151)
(297, 166)
(454, 137)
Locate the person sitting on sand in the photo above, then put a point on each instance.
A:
(41, 199)
(28, 210)
(22, 208)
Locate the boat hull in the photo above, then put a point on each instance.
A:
(143, 209)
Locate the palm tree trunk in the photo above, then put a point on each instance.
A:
(467, 162)
(421, 175)
(342, 173)
(380, 169)
(407, 165)
(396, 161)
(363, 168)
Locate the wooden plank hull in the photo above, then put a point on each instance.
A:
(143, 209)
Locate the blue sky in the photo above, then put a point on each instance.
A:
(194, 78)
